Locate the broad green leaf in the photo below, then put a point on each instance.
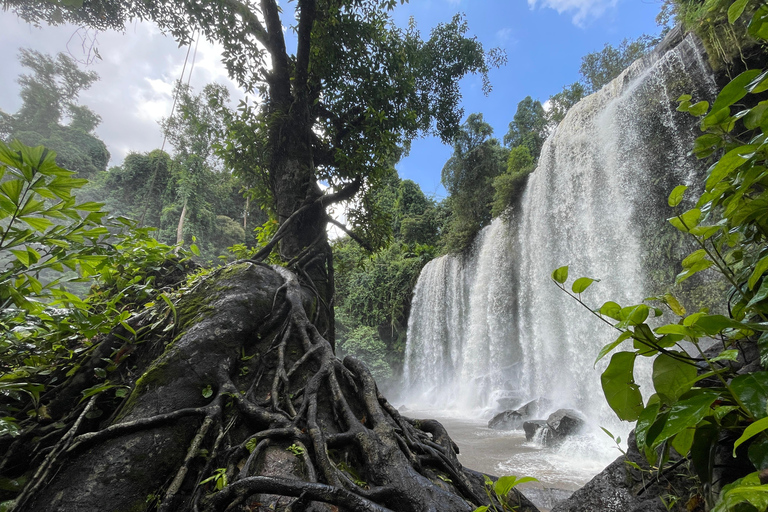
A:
(751, 431)
(611, 310)
(726, 355)
(683, 441)
(692, 270)
(686, 221)
(676, 196)
(22, 256)
(37, 223)
(735, 10)
(612, 345)
(12, 190)
(757, 273)
(633, 315)
(758, 453)
(560, 275)
(694, 257)
(731, 161)
(207, 391)
(674, 304)
(506, 483)
(735, 89)
(672, 377)
(621, 392)
(702, 450)
(714, 324)
(686, 413)
(644, 422)
(758, 26)
(761, 295)
(698, 109)
(194, 250)
(582, 284)
(752, 391)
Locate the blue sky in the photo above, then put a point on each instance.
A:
(544, 42)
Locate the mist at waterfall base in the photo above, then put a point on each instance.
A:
(489, 330)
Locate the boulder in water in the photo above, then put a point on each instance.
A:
(507, 420)
(532, 428)
(565, 422)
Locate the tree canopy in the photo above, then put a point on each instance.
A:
(51, 115)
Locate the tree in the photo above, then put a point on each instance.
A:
(508, 186)
(528, 128)
(560, 103)
(238, 370)
(468, 177)
(49, 97)
(599, 68)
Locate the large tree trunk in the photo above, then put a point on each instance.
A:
(235, 381)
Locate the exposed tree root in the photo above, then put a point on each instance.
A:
(251, 394)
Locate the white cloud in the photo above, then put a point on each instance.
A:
(504, 36)
(137, 72)
(584, 10)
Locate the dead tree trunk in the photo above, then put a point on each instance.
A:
(236, 402)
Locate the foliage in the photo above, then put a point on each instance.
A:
(49, 97)
(48, 242)
(528, 127)
(599, 68)
(365, 344)
(374, 290)
(699, 397)
(510, 185)
(564, 100)
(499, 491)
(468, 177)
(726, 36)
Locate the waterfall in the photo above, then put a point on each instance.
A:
(488, 329)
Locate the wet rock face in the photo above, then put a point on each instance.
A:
(565, 422)
(532, 428)
(618, 488)
(507, 420)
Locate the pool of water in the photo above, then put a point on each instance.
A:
(560, 470)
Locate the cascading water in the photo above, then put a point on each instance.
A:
(489, 329)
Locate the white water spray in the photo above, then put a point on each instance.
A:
(489, 329)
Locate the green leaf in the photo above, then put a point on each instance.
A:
(758, 453)
(751, 431)
(731, 161)
(692, 270)
(194, 250)
(714, 324)
(698, 109)
(12, 190)
(735, 89)
(621, 392)
(735, 10)
(207, 391)
(644, 422)
(611, 310)
(94, 390)
(612, 345)
(37, 223)
(674, 304)
(582, 284)
(726, 355)
(676, 196)
(684, 414)
(752, 391)
(683, 441)
(560, 275)
(672, 377)
(694, 257)
(757, 273)
(686, 221)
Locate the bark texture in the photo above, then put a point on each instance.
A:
(236, 383)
